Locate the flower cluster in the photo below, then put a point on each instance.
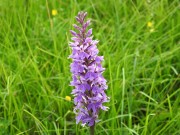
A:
(87, 71)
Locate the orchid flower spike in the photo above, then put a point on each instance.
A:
(87, 79)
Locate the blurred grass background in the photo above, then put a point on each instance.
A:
(140, 43)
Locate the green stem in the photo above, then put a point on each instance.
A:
(92, 130)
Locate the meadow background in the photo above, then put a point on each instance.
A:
(140, 43)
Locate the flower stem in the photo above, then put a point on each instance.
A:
(92, 129)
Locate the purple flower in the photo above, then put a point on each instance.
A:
(87, 71)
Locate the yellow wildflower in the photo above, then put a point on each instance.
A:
(68, 98)
(152, 30)
(150, 24)
(54, 12)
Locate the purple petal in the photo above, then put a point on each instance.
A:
(89, 32)
(73, 33)
(77, 27)
(86, 24)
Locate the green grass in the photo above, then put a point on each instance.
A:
(142, 67)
